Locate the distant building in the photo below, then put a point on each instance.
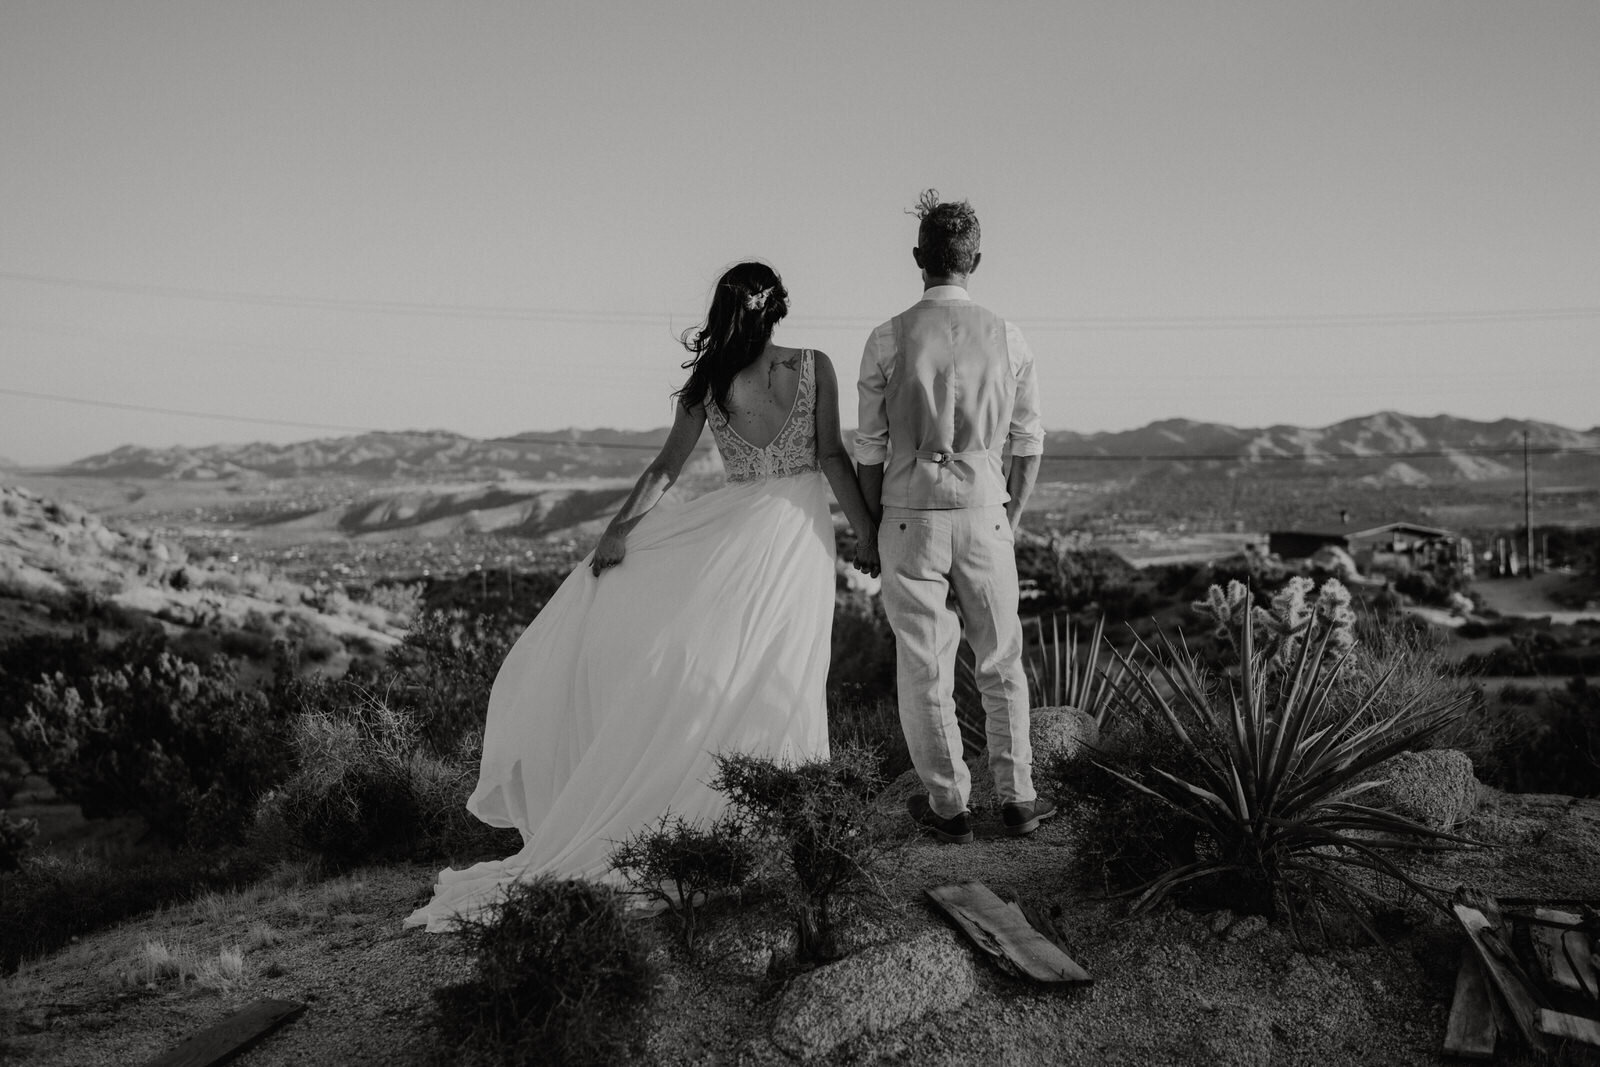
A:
(1394, 546)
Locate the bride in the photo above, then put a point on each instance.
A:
(690, 630)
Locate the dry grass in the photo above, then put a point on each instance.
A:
(261, 935)
(155, 963)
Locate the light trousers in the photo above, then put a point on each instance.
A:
(927, 556)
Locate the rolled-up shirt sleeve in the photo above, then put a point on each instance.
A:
(1027, 427)
(872, 421)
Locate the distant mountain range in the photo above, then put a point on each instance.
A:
(1382, 449)
(386, 456)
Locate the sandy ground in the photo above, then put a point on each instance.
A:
(1168, 989)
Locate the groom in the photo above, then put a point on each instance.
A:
(945, 385)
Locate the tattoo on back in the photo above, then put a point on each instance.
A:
(793, 363)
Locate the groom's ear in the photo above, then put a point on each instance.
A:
(916, 255)
(977, 257)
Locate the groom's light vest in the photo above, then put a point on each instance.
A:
(948, 402)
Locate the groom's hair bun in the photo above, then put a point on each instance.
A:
(948, 234)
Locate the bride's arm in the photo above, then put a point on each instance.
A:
(835, 463)
(652, 484)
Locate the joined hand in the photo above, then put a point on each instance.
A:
(867, 561)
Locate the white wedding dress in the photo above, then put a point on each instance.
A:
(711, 636)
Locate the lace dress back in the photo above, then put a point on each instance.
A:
(793, 451)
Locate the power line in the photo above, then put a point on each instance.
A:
(1087, 457)
(297, 424)
(1446, 453)
(636, 318)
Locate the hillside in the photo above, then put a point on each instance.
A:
(58, 560)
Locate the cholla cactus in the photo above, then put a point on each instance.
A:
(1225, 609)
(1281, 630)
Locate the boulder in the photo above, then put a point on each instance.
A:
(1063, 733)
(873, 991)
(1058, 735)
(1435, 788)
(745, 944)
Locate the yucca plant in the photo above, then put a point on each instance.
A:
(1063, 676)
(1271, 775)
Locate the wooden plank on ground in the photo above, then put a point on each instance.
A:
(225, 1040)
(1571, 1027)
(1001, 930)
(1564, 955)
(1471, 1031)
(1504, 973)
(1041, 922)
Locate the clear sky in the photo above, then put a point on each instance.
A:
(491, 217)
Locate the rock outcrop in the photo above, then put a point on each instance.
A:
(873, 991)
(1435, 788)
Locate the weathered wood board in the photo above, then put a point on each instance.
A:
(1571, 1027)
(1564, 955)
(1472, 1030)
(1499, 965)
(225, 1040)
(1001, 930)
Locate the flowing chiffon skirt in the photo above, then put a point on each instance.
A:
(711, 636)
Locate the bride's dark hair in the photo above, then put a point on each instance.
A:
(747, 303)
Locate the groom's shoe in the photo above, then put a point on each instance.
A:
(957, 829)
(1024, 817)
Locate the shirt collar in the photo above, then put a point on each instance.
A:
(946, 292)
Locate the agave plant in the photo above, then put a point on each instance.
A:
(1063, 676)
(1273, 775)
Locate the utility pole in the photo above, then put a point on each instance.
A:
(1527, 502)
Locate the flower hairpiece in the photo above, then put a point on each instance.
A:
(757, 300)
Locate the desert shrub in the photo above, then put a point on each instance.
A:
(444, 671)
(403, 599)
(511, 598)
(683, 864)
(199, 645)
(1544, 742)
(90, 608)
(51, 899)
(180, 744)
(869, 723)
(559, 977)
(1414, 658)
(367, 787)
(1129, 838)
(16, 836)
(27, 660)
(1432, 585)
(1537, 650)
(1078, 579)
(1474, 628)
(315, 644)
(1268, 776)
(819, 814)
